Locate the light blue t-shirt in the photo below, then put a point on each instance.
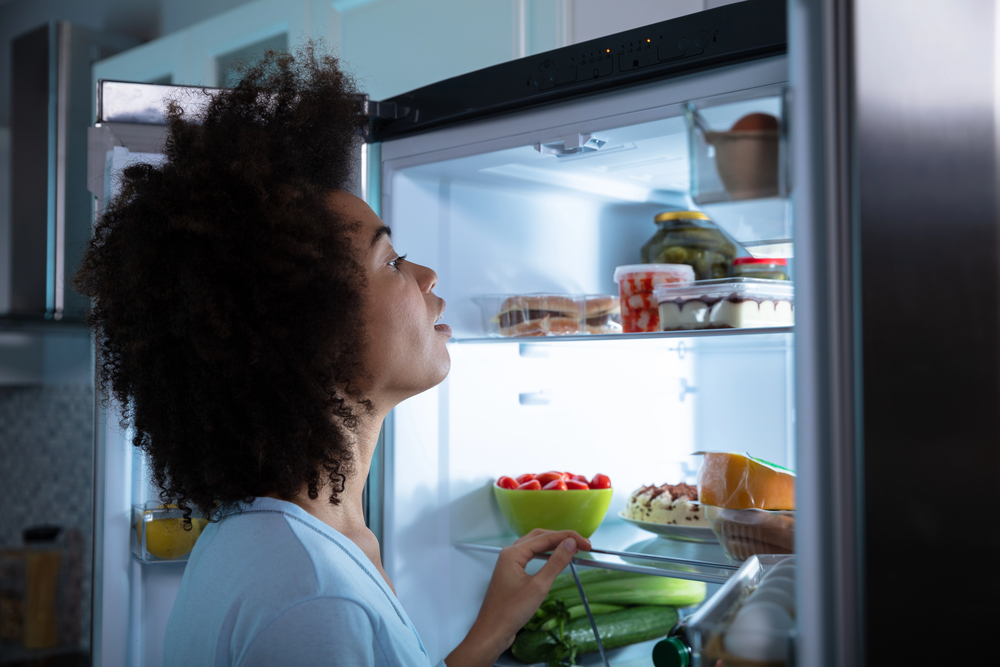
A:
(273, 585)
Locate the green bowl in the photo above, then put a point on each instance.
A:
(581, 511)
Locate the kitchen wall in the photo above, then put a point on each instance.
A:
(46, 459)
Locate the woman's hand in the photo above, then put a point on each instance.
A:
(514, 595)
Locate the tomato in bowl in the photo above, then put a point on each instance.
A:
(553, 500)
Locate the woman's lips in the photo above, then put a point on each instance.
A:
(443, 328)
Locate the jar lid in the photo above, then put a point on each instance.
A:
(680, 215)
(760, 260)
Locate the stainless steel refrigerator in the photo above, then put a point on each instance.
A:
(545, 173)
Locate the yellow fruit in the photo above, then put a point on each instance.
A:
(166, 538)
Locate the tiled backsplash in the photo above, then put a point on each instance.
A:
(47, 472)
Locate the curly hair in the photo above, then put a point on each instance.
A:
(227, 295)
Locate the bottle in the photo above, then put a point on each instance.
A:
(42, 566)
(674, 651)
(690, 237)
(766, 268)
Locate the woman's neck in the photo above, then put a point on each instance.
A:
(347, 517)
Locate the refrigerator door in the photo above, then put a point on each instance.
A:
(897, 360)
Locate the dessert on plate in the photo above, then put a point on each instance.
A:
(672, 504)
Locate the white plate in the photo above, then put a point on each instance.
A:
(673, 531)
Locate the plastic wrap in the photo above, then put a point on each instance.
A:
(548, 314)
(732, 303)
(636, 282)
(740, 481)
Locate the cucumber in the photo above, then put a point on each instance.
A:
(589, 575)
(618, 628)
(579, 611)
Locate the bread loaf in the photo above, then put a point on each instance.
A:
(738, 481)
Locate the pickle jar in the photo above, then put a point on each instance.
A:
(690, 237)
(767, 268)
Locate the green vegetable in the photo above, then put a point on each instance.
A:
(618, 628)
(589, 576)
(642, 589)
(579, 611)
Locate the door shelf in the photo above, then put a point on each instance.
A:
(693, 333)
(642, 553)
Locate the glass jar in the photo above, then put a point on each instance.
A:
(767, 268)
(690, 237)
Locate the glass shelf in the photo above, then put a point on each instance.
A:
(691, 333)
(641, 551)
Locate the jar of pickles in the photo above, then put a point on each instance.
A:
(768, 268)
(690, 237)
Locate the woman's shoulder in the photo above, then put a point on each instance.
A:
(303, 557)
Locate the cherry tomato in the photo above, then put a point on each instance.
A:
(506, 483)
(580, 478)
(575, 485)
(600, 482)
(530, 485)
(549, 476)
(526, 477)
(554, 485)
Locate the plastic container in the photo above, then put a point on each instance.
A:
(746, 533)
(158, 534)
(733, 303)
(738, 151)
(636, 282)
(765, 268)
(690, 237)
(726, 629)
(581, 511)
(548, 314)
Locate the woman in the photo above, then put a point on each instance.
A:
(255, 325)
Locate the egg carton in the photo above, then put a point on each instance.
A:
(750, 621)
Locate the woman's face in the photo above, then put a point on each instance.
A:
(407, 351)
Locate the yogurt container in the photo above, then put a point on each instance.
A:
(636, 282)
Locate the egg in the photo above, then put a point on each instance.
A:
(782, 569)
(780, 582)
(755, 121)
(759, 632)
(775, 595)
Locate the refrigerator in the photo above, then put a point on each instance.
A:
(545, 173)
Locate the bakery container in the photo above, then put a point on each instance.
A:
(636, 283)
(713, 633)
(749, 532)
(549, 314)
(732, 303)
(159, 534)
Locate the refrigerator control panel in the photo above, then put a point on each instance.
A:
(725, 35)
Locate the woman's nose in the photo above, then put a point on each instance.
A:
(427, 278)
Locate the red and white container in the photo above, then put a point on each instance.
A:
(640, 310)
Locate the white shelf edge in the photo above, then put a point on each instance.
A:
(688, 333)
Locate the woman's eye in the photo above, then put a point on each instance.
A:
(396, 262)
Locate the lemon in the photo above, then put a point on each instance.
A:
(166, 538)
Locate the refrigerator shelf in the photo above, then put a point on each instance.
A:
(694, 333)
(639, 553)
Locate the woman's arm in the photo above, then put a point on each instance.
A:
(514, 595)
